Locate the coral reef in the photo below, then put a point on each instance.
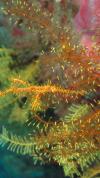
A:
(49, 88)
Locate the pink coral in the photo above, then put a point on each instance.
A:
(87, 21)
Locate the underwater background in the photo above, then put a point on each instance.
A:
(37, 37)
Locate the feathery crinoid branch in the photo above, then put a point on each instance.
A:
(69, 147)
(72, 141)
(31, 13)
(15, 143)
(70, 80)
